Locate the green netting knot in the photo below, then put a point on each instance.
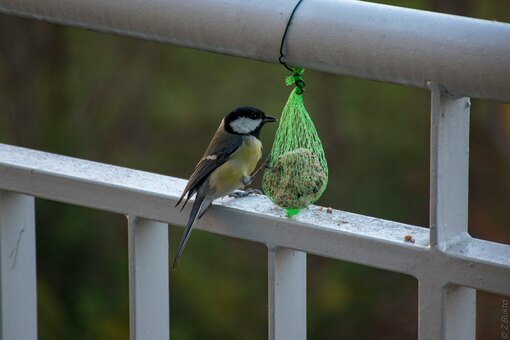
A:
(291, 212)
(297, 174)
(297, 79)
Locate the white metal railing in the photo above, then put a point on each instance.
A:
(467, 56)
(445, 53)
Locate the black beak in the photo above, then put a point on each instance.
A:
(269, 119)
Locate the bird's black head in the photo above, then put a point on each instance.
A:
(246, 120)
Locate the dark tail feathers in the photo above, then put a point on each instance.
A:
(199, 207)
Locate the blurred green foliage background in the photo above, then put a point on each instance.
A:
(154, 107)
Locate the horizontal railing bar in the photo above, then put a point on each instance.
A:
(152, 196)
(470, 255)
(467, 56)
(336, 234)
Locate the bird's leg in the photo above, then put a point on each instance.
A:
(264, 165)
(240, 194)
(247, 180)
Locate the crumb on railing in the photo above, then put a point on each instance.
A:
(409, 238)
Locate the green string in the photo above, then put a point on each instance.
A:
(297, 79)
(297, 174)
(291, 211)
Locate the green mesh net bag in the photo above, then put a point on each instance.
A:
(297, 173)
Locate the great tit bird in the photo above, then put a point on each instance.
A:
(226, 166)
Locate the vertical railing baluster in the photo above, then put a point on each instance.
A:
(431, 310)
(287, 294)
(18, 286)
(449, 170)
(148, 279)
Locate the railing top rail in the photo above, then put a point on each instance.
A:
(337, 234)
(467, 56)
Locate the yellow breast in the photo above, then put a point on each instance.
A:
(228, 177)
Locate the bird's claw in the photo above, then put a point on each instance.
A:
(240, 194)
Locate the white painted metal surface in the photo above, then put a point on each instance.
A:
(287, 294)
(361, 239)
(149, 298)
(341, 235)
(449, 165)
(18, 297)
(449, 54)
(467, 56)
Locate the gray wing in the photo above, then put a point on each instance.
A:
(217, 153)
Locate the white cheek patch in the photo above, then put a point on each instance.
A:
(245, 125)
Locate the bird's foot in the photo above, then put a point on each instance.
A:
(240, 194)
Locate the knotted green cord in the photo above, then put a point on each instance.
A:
(297, 172)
